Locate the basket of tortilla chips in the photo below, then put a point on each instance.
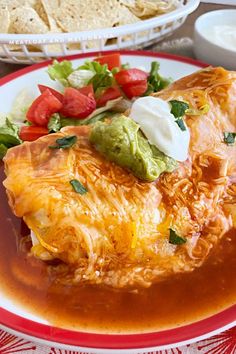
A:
(35, 30)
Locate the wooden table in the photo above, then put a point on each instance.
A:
(186, 30)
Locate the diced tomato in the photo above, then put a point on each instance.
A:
(135, 89)
(109, 94)
(55, 93)
(42, 108)
(76, 104)
(87, 90)
(112, 60)
(32, 133)
(124, 77)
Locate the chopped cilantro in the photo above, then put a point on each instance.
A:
(181, 124)
(78, 187)
(64, 143)
(178, 108)
(229, 138)
(175, 239)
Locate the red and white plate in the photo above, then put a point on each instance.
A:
(16, 320)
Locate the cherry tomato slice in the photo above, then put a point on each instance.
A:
(124, 77)
(32, 133)
(42, 108)
(135, 89)
(77, 105)
(109, 94)
(87, 90)
(112, 60)
(55, 93)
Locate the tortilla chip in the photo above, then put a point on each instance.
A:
(9, 4)
(4, 20)
(150, 8)
(50, 6)
(45, 9)
(125, 16)
(30, 3)
(82, 15)
(41, 11)
(54, 49)
(73, 46)
(26, 20)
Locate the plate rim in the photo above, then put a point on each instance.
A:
(121, 342)
(156, 339)
(9, 77)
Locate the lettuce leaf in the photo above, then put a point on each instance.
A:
(9, 134)
(8, 137)
(60, 71)
(155, 81)
(54, 124)
(3, 151)
(102, 78)
(87, 121)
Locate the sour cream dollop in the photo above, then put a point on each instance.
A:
(159, 126)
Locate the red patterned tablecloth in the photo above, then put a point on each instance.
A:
(224, 343)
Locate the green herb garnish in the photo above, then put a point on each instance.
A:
(54, 124)
(229, 138)
(64, 143)
(178, 108)
(78, 187)
(155, 81)
(175, 239)
(181, 124)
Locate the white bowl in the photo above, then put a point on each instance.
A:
(204, 46)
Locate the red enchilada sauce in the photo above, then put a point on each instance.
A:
(179, 300)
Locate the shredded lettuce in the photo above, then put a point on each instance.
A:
(87, 121)
(91, 72)
(20, 106)
(80, 78)
(8, 137)
(3, 151)
(102, 77)
(54, 124)
(60, 71)
(155, 81)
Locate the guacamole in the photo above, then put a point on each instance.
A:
(122, 142)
